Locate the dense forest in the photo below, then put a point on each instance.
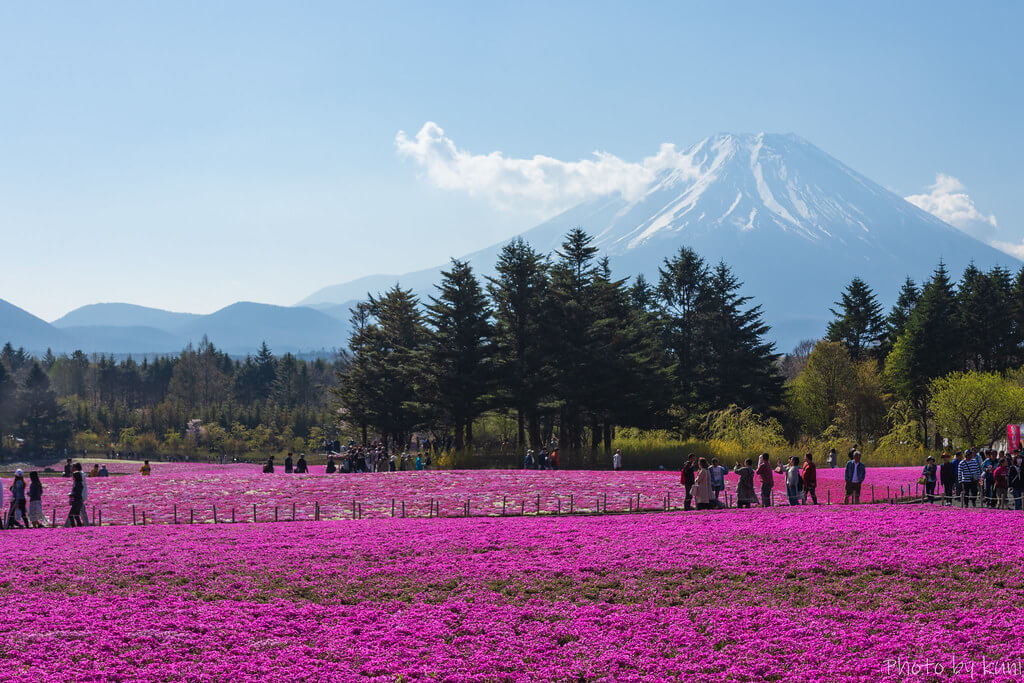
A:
(559, 347)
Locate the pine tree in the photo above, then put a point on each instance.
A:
(742, 365)
(573, 314)
(683, 301)
(929, 347)
(519, 292)
(859, 324)
(43, 425)
(458, 372)
(7, 406)
(898, 317)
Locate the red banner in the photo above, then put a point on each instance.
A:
(1013, 437)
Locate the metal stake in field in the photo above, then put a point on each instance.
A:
(133, 515)
(175, 513)
(214, 514)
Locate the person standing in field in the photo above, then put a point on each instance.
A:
(1017, 481)
(947, 476)
(18, 501)
(35, 501)
(930, 474)
(75, 499)
(792, 474)
(84, 516)
(717, 480)
(687, 477)
(301, 467)
(702, 485)
(145, 470)
(554, 459)
(854, 477)
(617, 460)
(1001, 475)
(745, 487)
(832, 458)
(968, 475)
(288, 464)
(764, 471)
(809, 478)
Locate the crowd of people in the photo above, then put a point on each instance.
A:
(704, 481)
(977, 476)
(356, 459)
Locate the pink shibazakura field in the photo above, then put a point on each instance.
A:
(866, 593)
(196, 488)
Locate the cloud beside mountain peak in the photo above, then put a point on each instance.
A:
(540, 184)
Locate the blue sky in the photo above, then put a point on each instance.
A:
(187, 155)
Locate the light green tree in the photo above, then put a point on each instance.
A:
(975, 406)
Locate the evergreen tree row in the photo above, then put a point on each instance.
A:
(560, 343)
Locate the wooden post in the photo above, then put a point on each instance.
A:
(558, 501)
(360, 510)
(53, 520)
(638, 502)
(214, 514)
(392, 507)
(504, 503)
(275, 513)
(293, 512)
(232, 515)
(538, 503)
(888, 494)
(828, 496)
(254, 513)
(522, 508)
(606, 502)
(143, 518)
(572, 505)
(403, 509)
(430, 514)
(100, 515)
(175, 513)
(316, 511)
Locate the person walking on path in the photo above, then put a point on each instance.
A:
(930, 475)
(792, 475)
(35, 501)
(717, 480)
(809, 478)
(702, 486)
(687, 477)
(764, 471)
(947, 475)
(745, 494)
(968, 475)
(18, 502)
(854, 476)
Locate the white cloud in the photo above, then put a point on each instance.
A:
(539, 184)
(949, 201)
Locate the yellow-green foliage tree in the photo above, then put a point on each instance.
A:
(975, 406)
(834, 390)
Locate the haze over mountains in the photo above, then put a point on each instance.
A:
(794, 223)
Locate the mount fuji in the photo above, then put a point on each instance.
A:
(794, 223)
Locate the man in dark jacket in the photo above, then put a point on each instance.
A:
(947, 477)
(689, 476)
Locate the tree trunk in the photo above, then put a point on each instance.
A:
(607, 437)
(534, 426)
(458, 436)
(595, 435)
(521, 425)
(469, 433)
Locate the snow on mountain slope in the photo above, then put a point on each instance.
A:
(793, 222)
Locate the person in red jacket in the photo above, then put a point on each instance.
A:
(809, 478)
(1001, 474)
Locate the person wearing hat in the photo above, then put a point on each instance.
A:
(18, 503)
(930, 476)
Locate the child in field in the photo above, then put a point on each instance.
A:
(145, 469)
